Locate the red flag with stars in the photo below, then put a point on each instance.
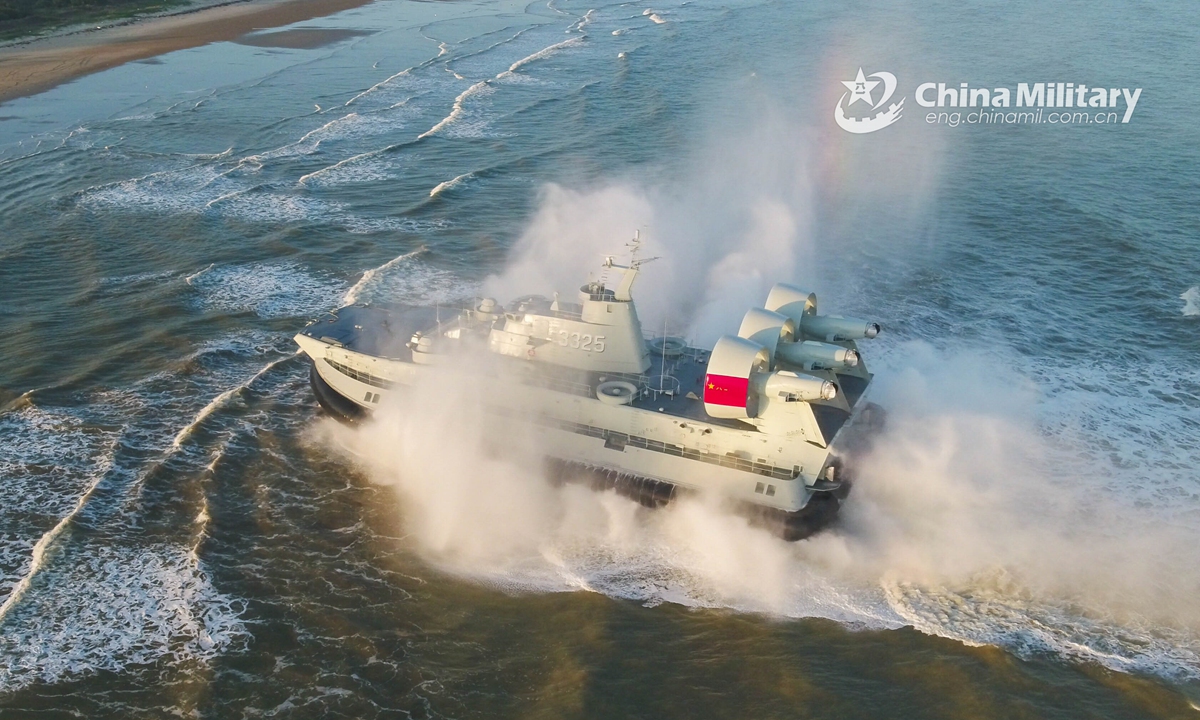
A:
(726, 390)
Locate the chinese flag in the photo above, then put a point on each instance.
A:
(726, 390)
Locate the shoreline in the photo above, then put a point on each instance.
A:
(29, 67)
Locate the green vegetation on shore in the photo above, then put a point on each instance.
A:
(29, 17)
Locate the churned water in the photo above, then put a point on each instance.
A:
(182, 534)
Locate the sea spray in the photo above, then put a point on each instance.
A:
(743, 222)
(967, 518)
(1191, 301)
(472, 481)
(962, 522)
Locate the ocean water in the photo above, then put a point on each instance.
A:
(182, 534)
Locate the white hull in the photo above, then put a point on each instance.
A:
(764, 470)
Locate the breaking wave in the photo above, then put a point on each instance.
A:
(408, 279)
(368, 277)
(449, 184)
(456, 110)
(218, 402)
(543, 53)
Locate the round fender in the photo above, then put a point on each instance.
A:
(616, 392)
(667, 346)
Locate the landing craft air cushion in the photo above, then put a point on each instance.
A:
(762, 419)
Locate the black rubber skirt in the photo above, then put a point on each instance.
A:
(334, 403)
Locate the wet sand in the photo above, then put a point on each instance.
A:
(300, 39)
(39, 65)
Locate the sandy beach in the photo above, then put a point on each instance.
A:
(33, 67)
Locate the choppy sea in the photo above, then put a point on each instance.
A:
(182, 534)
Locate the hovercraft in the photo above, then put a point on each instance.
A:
(764, 418)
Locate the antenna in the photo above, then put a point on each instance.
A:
(662, 368)
(635, 248)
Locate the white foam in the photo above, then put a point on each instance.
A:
(51, 466)
(198, 273)
(216, 185)
(382, 83)
(77, 603)
(269, 289)
(940, 532)
(410, 280)
(112, 607)
(657, 19)
(342, 164)
(484, 87)
(219, 401)
(452, 183)
(996, 611)
(540, 54)
(456, 110)
(351, 296)
(201, 189)
(193, 190)
(582, 22)
(37, 556)
(361, 225)
(1191, 301)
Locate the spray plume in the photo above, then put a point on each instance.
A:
(966, 520)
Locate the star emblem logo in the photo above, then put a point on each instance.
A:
(860, 89)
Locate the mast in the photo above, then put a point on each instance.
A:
(624, 291)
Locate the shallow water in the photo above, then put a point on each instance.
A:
(181, 533)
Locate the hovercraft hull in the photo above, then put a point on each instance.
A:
(334, 403)
(760, 420)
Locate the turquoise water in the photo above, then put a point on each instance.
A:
(180, 532)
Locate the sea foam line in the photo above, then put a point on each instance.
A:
(222, 198)
(198, 273)
(544, 52)
(317, 173)
(38, 556)
(380, 84)
(456, 110)
(351, 295)
(449, 184)
(587, 18)
(220, 400)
